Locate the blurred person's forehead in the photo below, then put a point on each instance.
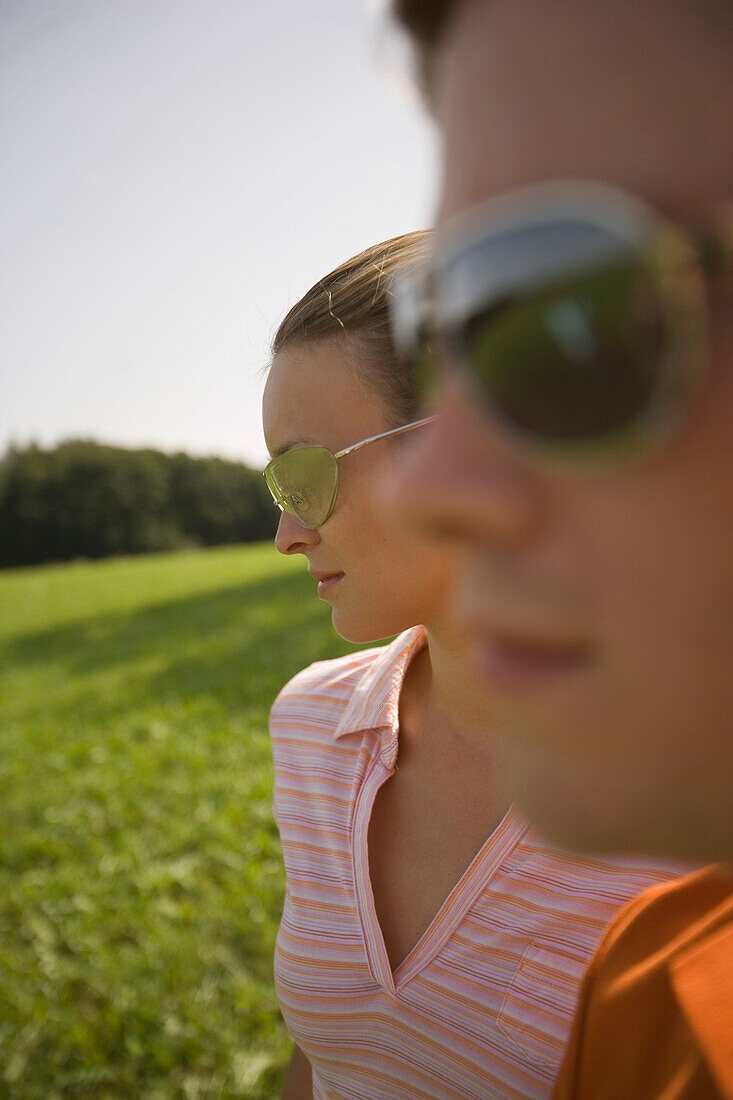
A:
(634, 92)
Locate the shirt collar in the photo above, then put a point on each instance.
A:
(702, 978)
(375, 702)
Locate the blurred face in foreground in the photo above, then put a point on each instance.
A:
(378, 577)
(601, 600)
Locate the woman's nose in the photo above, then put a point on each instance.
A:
(292, 537)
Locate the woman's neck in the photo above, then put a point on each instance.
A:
(439, 689)
(446, 727)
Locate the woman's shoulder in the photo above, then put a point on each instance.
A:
(321, 692)
(324, 687)
(332, 673)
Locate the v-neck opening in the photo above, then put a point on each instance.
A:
(455, 905)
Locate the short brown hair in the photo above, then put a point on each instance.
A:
(353, 300)
(425, 21)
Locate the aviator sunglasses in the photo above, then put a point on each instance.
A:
(575, 312)
(304, 481)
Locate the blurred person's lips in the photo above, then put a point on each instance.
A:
(524, 634)
(508, 663)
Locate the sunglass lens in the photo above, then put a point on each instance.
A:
(424, 373)
(573, 363)
(304, 481)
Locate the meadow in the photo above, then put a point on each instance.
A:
(140, 873)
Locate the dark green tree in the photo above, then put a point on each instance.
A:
(85, 499)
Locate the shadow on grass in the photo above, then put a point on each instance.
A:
(240, 644)
(139, 864)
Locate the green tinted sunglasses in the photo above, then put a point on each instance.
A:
(576, 313)
(305, 481)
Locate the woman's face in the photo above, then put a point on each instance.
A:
(381, 578)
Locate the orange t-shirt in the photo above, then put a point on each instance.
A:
(655, 1016)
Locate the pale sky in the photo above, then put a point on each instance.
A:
(174, 174)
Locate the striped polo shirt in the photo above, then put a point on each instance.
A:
(482, 1005)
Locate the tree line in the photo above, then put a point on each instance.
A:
(86, 499)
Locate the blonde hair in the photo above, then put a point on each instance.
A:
(353, 300)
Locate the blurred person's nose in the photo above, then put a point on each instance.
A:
(458, 482)
(292, 537)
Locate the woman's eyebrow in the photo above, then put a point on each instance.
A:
(289, 445)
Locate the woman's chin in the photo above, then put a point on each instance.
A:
(363, 629)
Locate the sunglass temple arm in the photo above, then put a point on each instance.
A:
(384, 435)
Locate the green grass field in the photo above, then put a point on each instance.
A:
(140, 874)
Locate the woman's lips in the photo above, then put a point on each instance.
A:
(325, 584)
(510, 665)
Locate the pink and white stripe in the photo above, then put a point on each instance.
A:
(481, 1007)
